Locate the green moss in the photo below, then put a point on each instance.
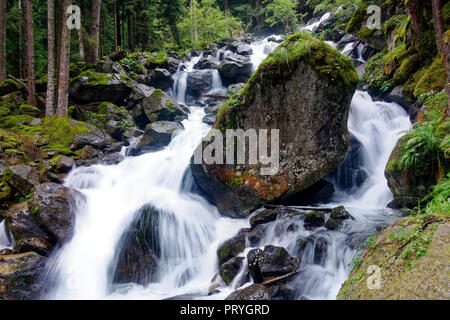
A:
(434, 79)
(158, 94)
(30, 110)
(358, 18)
(365, 32)
(408, 67)
(158, 58)
(11, 122)
(10, 82)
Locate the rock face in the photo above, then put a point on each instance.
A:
(207, 63)
(22, 178)
(424, 278)
(52, 207)
(256, 292)
(137, 259)
(409, 186)
(307, 98)
(160, 79)
(19, 276)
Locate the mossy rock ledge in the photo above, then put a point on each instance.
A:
(303, 89)
(413, 278)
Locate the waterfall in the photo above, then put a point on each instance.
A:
(4, 241)
(191, 229)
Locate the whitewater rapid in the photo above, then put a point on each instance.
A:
(191, 229)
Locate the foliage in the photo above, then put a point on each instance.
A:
(208, 22)
(281, 12)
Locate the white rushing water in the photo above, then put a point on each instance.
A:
(4, 241)
(190, 229)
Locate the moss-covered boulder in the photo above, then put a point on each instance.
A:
(157, 135)
(413, 261)
(257, 292)
(409, 184)
(92, 86)
(158, 106)
(19, 276)
(230, 269)
(303, 89)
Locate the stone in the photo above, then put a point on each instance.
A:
(160, 79)
(208, 62)
(95, 138)
(312, 249)
(231, 248)
(313, 219)
(332, 224)
(22, 178)
(26, 233)
(88, 152)
(230, 269)
(157, 136)
(198, 82)
(235, 65)
(253, 292)
(316, 102)
(244, 49)
(64, 164)
(340, 213)
(262, 217)
(270, 263)
(20, 276)
(53, 208)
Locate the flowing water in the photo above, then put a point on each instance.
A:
(190, 229)
(4, 241)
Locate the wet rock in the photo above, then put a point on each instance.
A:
(340, 213)
(396, 95)
(367, 52)
(312, 249)
(207, 63)
(160, 79)
(282, 292)
(22, 178)
(19, 276)
(257, 234)
(109, 66)
(235, 65)
(26, 233)
(332, 224)
(53, 208)
(137, 258)
(348, 38)
(230, 269)
(262, 217)
(253, 292)
(231, 248)
(314, 219)
(306, 157)
(209, 119)
(157, 136)
(132, 133)
(64, 164)
(244, 49)
(270, 263)
(199, 82)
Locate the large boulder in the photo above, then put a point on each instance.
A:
(157, 136)
(208, 62)
(137, 257)
(160, 79)
(253, 292)
(19, 276)
(231, 248)
(97, 87)
(303, 89)
(244, 49)
(235, 65)
(230, 269)
(199, 82)
(53, 208)
(26, 233)
(409, 186)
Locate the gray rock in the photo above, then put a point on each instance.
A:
(229, 270)
(231, 248)
(244, 49)
(314, 219)
(160, 79)
(339, 213)
(64, 164)
(26, 233)
(207, 63)
(53, 208)
(157, 136)
(253, 292)
(88, 152)
(95, 138)
(235, 65)
(198, 82)
(22, 178)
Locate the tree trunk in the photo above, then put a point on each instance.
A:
(413, 12)
(50, 98)
(438, 24)
(130, 31)
(81, 45)
(94, 36)
(30, 53)
(226, 6)
(64, 57)
(447, 68)
(116, 33)
(2, 40)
